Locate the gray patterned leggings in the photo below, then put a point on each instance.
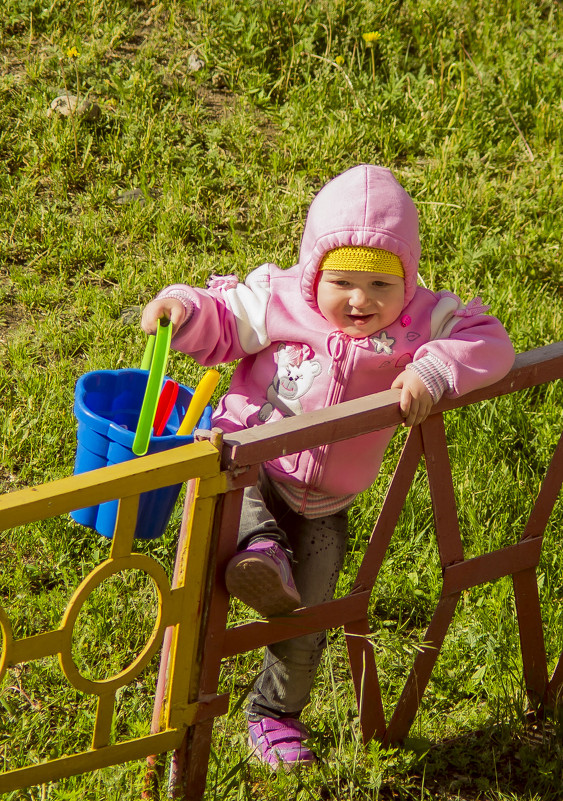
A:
(317, 548)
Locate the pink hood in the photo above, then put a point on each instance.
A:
(364, 206)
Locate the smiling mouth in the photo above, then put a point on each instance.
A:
(360, 318)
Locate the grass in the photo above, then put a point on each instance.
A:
(227, 117)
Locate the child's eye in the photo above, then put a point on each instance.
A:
(380, 283)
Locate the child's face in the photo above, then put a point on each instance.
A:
(360, 303)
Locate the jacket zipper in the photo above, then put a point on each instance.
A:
(337, 386)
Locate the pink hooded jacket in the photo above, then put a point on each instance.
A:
(293, 360)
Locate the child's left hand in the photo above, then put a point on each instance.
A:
(416, 402)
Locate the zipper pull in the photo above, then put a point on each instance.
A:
(335, 346)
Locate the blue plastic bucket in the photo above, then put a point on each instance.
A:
(107, 404)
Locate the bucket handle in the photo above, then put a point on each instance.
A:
(157, 350)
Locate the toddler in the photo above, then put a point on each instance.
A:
(347, 320)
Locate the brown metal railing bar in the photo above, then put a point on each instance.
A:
(156, 762)
(491, 566)
(211, 706)
(212, 653)
(190, 761)
(390, 511)
(543, 358)
(442, 490)
(375, 412)
(548, 494)
(418, 678)
(311, 429)
(530, 626)
(530, 369)
(363, 667)
(188, 770)
(330, 614)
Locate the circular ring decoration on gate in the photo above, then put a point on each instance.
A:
(104, 571)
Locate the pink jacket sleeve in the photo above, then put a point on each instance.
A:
(477, 352)
(224, 322)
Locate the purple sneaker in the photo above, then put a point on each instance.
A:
(261, 577)
(280, 743)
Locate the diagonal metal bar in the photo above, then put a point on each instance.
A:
(390, 511)
(360, 650)
(450, 547)
(408, 703)
(366, 680)
(547, 496)
(330, 614)
(441, 490)
(526, 593)
(531, 634)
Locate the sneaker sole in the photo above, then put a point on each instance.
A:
(254, 581)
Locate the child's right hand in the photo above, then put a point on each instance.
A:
(416, 402)
(170, 308)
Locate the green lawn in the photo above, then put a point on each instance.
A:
(227, 117)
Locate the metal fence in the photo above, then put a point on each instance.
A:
(191, 626)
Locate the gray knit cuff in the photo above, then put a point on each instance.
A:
(435, 375)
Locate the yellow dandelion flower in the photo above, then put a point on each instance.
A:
(339, 60)
(371, 38)
(72, 52)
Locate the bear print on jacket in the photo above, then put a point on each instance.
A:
(293, 378)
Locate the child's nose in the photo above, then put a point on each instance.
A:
(359, 298)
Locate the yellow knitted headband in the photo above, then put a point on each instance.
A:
(372, 260)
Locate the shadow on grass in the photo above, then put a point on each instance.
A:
(494, 762)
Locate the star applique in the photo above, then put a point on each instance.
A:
(383, 343)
